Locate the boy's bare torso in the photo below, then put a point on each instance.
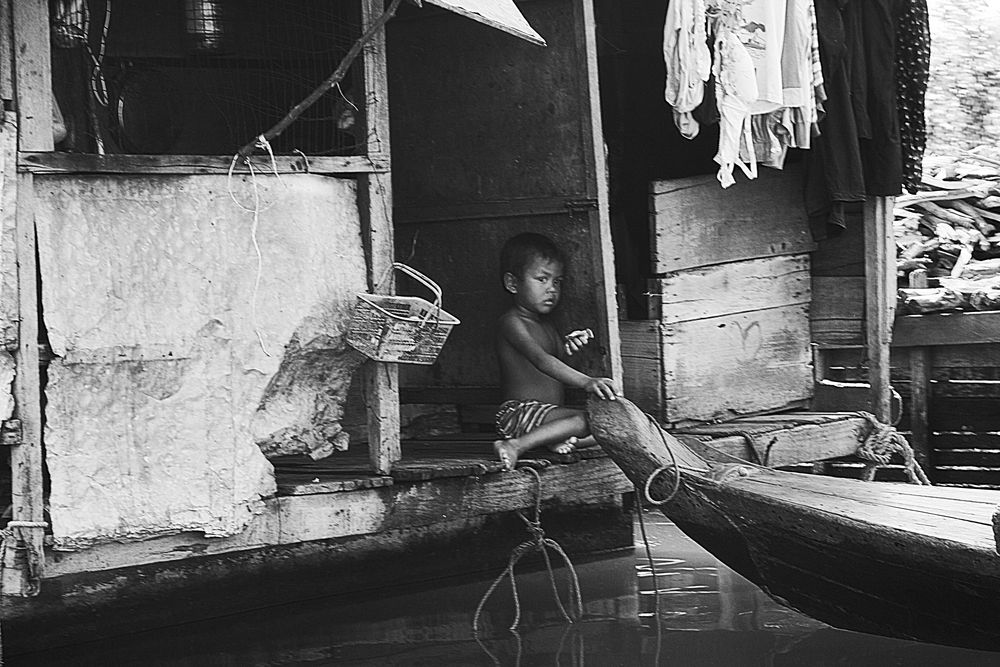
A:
(519, 378)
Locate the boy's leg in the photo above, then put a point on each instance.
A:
(559, 426)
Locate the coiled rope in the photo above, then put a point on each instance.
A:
(537, 542)
(880, 444)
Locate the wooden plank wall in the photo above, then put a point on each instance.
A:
(735, 337)
(731, 295)
(963, 419)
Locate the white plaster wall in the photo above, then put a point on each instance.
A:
(161, 390)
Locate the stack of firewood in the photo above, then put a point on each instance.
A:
(947, 238)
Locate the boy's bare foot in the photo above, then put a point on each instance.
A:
(565, 447)
(506, 452)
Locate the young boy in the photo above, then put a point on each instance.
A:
(533, 372)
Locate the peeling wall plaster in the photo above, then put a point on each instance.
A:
(161, 392)
(8, 259)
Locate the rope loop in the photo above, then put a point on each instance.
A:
(649, 481)
(881, 443)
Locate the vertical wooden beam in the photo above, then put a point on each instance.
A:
(33, 72)
(880, 300)
(26, 458)
(381, 381)
(602, 248)
(921, 363)
(6, 52)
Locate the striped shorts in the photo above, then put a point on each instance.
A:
(517, 417)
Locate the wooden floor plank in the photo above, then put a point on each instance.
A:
(974, 529)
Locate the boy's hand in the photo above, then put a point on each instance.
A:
(602, 387)
(575, 340)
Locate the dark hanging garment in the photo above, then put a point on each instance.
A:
(880, 152)
(833, 164)
(913, 67)
(858, 151)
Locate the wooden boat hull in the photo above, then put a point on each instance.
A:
(899, 560)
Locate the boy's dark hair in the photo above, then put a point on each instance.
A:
(519, 250)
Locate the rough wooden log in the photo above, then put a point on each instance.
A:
(929, 300)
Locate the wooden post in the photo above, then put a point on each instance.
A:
(6, 52)
(26, 458)
(920, 385)
(381, 381)
(33, 72)
(880, 300)
(602, 248)
(33, 80)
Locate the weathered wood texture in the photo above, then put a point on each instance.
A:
(78, 163)
(642, 360)
(697, 223)
(961, 391)
(34, 74)
(480, 116)
(832, 396)
(380, 380)
(27, 499)
(736, 364)
(6, 52)
(880, 298)
(596, 183)
(903, 560)
(734, 338)
(734, 314)
(786, 439)
(287, 520)
(712, 291)
(836, 315)
(837, 320)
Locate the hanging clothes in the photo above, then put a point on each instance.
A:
(688, 61)
(735, 91)
(913, 67)
(762, 32)
(857, 151)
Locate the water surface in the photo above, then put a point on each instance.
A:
(708, 615)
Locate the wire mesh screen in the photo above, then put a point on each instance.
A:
(204, 77)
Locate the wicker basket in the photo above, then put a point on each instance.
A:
(401, 329)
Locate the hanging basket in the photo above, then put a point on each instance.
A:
(401, 329)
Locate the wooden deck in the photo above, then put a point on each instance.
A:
(771, 440)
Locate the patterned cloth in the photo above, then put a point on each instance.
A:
(517, 417)
(913, 66)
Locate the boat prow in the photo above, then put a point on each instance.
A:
(902, 560)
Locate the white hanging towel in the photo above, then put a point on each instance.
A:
(688, 61)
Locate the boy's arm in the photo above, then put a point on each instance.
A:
(516, 333)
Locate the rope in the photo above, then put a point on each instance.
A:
(880, 444)
(537, 542)
(8, 538)
(656, 585)
(671, 466)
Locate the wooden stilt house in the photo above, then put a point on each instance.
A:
(186, 415)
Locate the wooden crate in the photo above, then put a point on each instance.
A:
(728, 333)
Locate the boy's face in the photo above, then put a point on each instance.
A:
(538, 289)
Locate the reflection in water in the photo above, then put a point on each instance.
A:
(707, 616)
